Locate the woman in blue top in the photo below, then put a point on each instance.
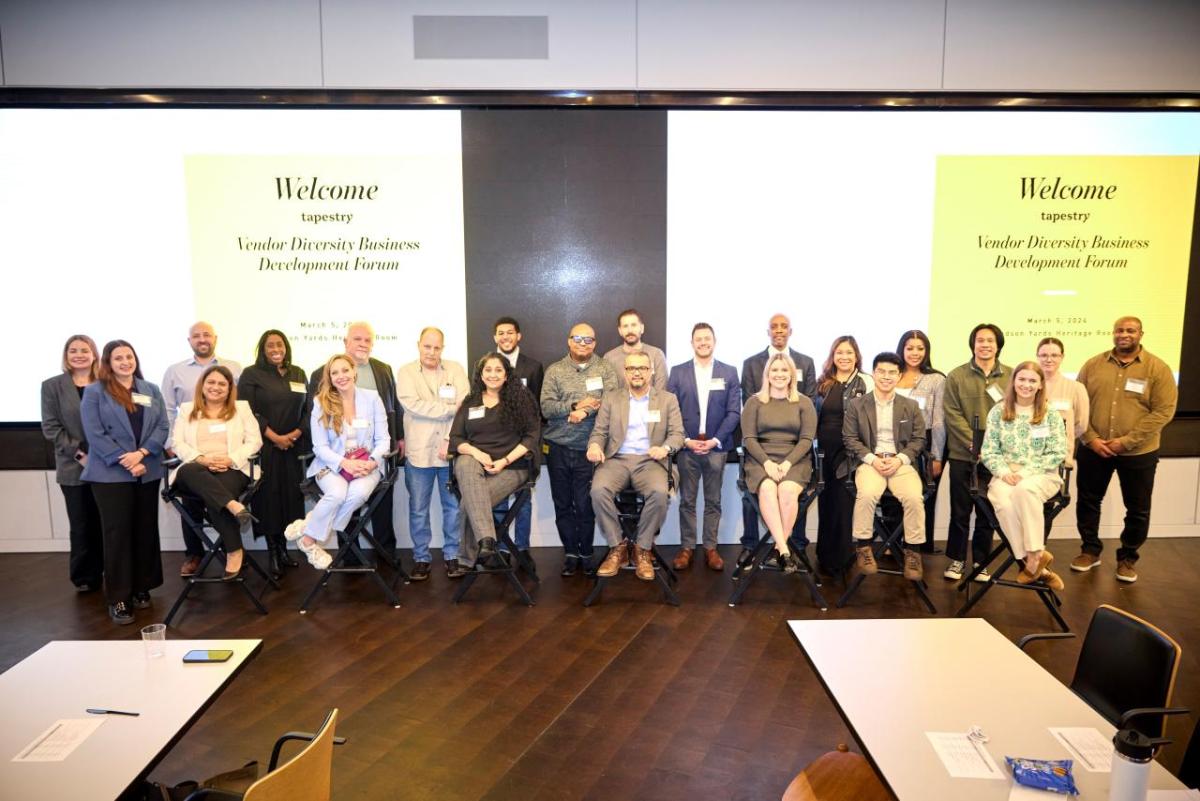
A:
(125, 423)
(349, 436)
(1023, 446)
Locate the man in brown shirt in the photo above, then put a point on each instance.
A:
(1133, 395)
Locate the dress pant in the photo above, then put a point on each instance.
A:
(906, 487)
(961, 508)
(1021, 510)
(694, 468)
(1136, 476)
(129, 522)
(479, 493)
(192, 544)
(339, 500)
(571, 487)
(834, 549)
(216, 490)
(931, 506)
(648, 478)
(87, 537)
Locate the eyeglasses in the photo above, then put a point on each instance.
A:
(578, 340)
(879, 371)
(637, 369)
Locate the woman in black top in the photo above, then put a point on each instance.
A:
(841, 381)
(276, 390)
(62, 425)
(495, 434)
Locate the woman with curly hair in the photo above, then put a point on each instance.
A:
(495, 434)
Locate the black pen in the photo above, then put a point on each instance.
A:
(112, 712)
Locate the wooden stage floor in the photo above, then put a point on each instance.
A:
(630, 699)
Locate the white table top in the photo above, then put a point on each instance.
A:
(64, 678)
(894, 680)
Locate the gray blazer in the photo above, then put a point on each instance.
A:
(859, 427)
(62, 425)
(613, 419)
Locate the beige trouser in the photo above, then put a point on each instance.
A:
(905, 485)
(1020, 512)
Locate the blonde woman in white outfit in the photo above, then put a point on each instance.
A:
(349, 436)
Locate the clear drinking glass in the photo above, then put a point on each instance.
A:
(155, 638)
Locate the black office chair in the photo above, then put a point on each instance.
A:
(1189, 768)
(629, 513)
(1126, 663)
(510, 561)
(983, 507)
(888, 530)
(357, 527)
(744, 572)
(193, 514)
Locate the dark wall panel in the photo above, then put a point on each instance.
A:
(565, 221)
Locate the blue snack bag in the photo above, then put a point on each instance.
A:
(1045, 774)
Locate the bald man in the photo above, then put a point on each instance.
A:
(179, 386)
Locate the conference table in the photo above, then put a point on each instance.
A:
(894, 680)
(63, 679)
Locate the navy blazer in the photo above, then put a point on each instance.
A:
(110, 436)
(724, 405)
(752, 374)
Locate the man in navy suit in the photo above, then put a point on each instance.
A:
(779, 329)
(710, 403)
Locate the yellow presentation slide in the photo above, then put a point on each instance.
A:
(308, 244)
(1062, 246)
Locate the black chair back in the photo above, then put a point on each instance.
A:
(1126, 663)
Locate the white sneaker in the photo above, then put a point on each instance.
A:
(983, 576)
(295, 530)
(954, 571)
(318, 557)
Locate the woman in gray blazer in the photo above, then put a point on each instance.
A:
(62, 425)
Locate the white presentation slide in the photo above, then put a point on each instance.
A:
(134, 223)
(871, 223)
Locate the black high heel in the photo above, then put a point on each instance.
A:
(244, 518)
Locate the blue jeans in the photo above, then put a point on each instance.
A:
(419, 482)
(520, 529)
(571, 487)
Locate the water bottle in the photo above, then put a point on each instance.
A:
(1132, 754)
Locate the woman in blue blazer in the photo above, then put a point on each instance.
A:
(125, 422)
(349, 437)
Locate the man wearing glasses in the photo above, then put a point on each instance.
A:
(636, 431)
(884, 434)
(571, 393)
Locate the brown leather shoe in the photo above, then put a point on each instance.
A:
(713, 559)
(189, 566)
(914, 568)
(683, 559)
(1084, 562)
(613, 561)
(864, 558)
(644, 564)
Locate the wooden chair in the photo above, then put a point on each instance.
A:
(837, 776)
(304, 777)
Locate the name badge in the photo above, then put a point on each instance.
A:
(298, 386)
(140, 399)
(359, 422)
(524, 381)
(476, 412)
(446, 392)
(1135, 385)
(1039, 432)
(216, 428)
(1060, 405)
(920, 399)
(799, 376)
(653, 416)
(594, 384)
(995, 393)
(717, 384)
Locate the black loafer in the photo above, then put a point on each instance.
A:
(120, 613)
(141, 600)
(487, 549)
(570, 566)
(87, 586)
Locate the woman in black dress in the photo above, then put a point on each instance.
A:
(841, 381)
(276, 390)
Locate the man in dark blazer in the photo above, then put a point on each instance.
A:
(884, 435)
(779, 330)
(379, 376)
(710, 432)
(506, 333)
(637, 430)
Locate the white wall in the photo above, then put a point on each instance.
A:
(36, 520)
(960, 45)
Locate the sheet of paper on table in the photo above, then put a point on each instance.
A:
(1173, 795)
(57, 742)
(963, 757)
(1090, 749)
